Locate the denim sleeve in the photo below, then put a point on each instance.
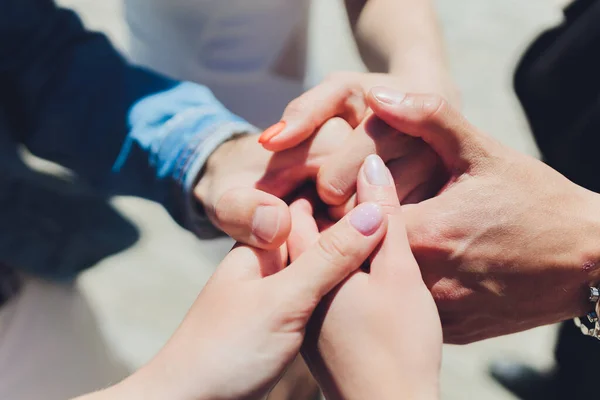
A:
(71, 98)
(174, 132)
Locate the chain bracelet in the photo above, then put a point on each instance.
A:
(594, 331)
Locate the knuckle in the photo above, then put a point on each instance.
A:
(333, 248)
(298, 106)
(388, 206)
(431, 108)
(333, 188)
(336, 124)
(226, 209)
(222, 205)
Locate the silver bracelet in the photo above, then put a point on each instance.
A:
(594, 331)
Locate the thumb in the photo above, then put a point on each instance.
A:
(431, 118)
(252, 217)
(338, 252)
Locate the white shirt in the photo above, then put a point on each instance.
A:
(251, 53)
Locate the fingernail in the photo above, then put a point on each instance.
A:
(376, 171)
(387, 95)
(271, 132)
(265, 223)
(367, 218)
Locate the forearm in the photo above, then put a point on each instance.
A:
(398, 36)
(380, 384)
(140, 386)
(378, 376)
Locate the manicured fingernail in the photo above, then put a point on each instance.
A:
(387, 95)
(376, 171)
(265, 223)
(271, 132)
(367, 218)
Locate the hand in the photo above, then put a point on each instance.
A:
(339, 104)
(378, 336)
(242, 184)
(509, 244)
(343, 95)
(248, 323)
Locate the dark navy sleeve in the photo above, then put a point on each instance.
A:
(71, 98)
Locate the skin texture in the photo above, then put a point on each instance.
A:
(344, 95)
(390, 29)
(378, 335)
(400, 37)
(340, 104)
(403, 38)
(248, 323)
(241, 176)
(508, 244)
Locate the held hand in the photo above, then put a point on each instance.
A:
(339, 105)
(342, 95)
(378, 336)
(509, 243)
(248, 323)
(242, 184)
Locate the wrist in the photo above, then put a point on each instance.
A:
(384, 376)
(585, 255)
(591, 256)
(161, 379)
(426, 74)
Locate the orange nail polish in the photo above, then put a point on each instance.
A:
(271, 132)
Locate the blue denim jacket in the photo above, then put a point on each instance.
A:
(70, 97)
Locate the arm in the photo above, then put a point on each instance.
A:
(398, 36)
(71, 98)
(214, 354)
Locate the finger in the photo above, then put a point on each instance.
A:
(337, 253)
(417, 176)
(252, 217)
(415, 170)
(375, 184)
(428, 189)
(302, 163)
(247, 263)
(305, 231)
(336, 180)
(304, 115)
(338, 212)
(432, 119)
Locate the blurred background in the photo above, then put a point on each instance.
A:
(137, 298)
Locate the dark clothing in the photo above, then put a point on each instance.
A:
(69, 97)
(558, 84)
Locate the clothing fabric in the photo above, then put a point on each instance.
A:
(251, 53)
(558, 85)
(70, 97)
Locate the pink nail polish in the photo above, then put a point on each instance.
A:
(367, 218)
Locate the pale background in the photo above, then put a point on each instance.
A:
(138, 297)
